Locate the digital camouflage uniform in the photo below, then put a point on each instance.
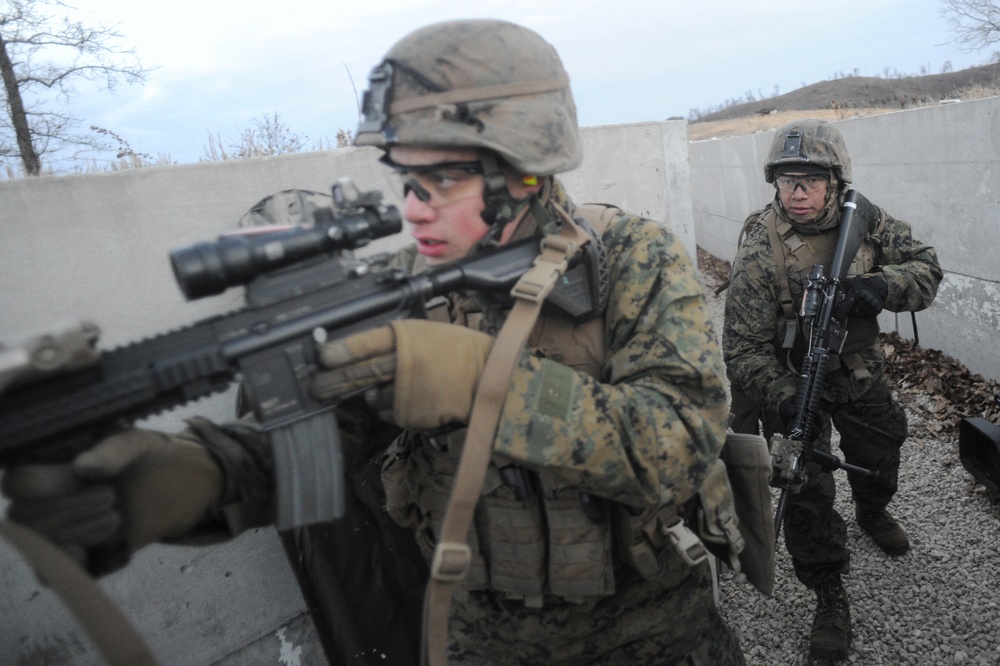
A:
(859, 403)
(622, 411)
(642, 432)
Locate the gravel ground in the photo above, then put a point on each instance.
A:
(937, 604)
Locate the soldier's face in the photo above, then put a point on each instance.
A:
(444, 197)
(803, 196)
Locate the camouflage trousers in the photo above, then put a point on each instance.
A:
(667, 621)
(872, 430)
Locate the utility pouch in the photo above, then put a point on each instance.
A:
(731, 519)
(646, 535)
(580, 561)
(716, 522)
(513, 528)
(400, 495)
(640, 543)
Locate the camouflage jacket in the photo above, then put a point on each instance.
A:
(644, 435)
(645, 432)
(909, 267)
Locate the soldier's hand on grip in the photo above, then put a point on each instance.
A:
(868, 294)
(133, 488)
(424, 373)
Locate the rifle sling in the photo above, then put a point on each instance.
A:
(784, 292)
(452, 555)
(108, 629)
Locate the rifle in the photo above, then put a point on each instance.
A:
(824, 310)
(300, 290)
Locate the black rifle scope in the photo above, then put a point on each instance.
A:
(208, 268)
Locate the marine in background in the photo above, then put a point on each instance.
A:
(764, 343)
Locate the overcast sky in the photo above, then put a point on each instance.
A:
(220, 64)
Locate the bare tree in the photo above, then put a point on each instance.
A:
(266, 136)
(976, 23)
(43, 56)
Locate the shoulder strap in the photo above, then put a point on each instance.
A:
(781, 278)
(750, 219)
(113, 636)
(597, 215)
(452, 555)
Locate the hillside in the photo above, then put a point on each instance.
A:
(846, 98)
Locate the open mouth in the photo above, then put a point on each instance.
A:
(431, 247)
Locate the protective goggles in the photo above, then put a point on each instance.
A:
(810, 183)
(439, 184)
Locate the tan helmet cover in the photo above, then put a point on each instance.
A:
(482, 84)
(809, 142)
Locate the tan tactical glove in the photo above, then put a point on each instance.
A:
(432, 369)
(133, 488)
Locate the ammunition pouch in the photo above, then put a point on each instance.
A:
(711, 523)
(716, 522)
(645, 535)
(528, 541)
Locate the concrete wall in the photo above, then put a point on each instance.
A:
(639, 168)
(97, 247)
(935, 167)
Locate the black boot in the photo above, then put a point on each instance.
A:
(883, 529)
(831, 629)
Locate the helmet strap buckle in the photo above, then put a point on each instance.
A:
(500, 206)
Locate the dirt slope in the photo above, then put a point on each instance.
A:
(846, 98)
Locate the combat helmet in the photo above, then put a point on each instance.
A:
(483, 84)
(809, 142)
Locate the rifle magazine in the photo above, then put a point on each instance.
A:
(309, 470)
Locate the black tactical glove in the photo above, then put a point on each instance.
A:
(867, 294)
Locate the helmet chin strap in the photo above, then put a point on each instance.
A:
(500, 206)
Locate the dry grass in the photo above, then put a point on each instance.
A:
(853, 105)
(760, 123)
